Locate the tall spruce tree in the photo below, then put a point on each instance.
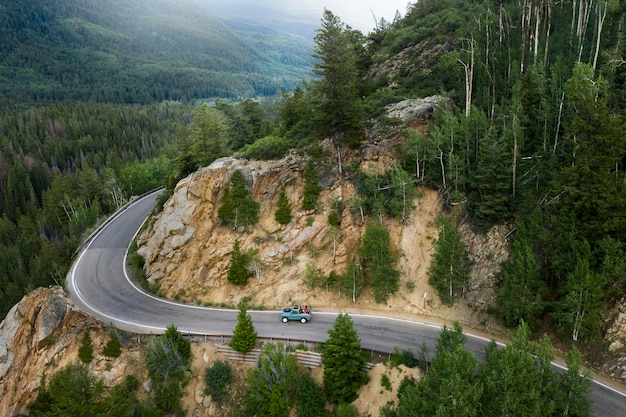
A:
(85, 351)
(283, 211)
(337, 89)
(312, 188)
(237, 269)
(450, 267)
(244, 335)
(378, 259)
(344, 362)
(237, 208)
(519, 297)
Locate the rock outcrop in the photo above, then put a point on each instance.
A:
(41, 334)
(615, 337)
(187, 250)
(415, 108)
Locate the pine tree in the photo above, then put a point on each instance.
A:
(493, 180)
(271, 385)
(573, 395)
(344, 362)
(377, 260)
(520, 294)
(312, 188)
(339, 103)
(113, 348)
(283, 211)
(237, 269)
(245, 335)
(237, 206)
(85, 351)
(182, 345)
(451, 265)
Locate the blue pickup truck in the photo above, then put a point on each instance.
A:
(302, 314)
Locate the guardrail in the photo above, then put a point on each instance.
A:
(309, 359)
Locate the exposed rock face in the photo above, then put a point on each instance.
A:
(414, 108)
(488, 251)
(187, 250)
(40, 334)
(413, 61)
(616, 338)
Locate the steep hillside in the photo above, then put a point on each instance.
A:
(137, 52)
(187, 250)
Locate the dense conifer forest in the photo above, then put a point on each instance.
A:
(142, 51)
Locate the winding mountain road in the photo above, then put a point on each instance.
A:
(100, 285)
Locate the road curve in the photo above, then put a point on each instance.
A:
(100, 285)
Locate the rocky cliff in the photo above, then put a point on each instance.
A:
(187, 250)
(40, 335)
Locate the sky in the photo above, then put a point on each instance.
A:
(357, 13)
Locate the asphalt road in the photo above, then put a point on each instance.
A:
(99, 284)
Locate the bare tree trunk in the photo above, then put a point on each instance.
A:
(558, 123)
(443, 169)
(526, 12)
(601, 12)
(538, 16)
(469, 78)
(584, 10)
(548, 30)
(339, 168)
(514, 154)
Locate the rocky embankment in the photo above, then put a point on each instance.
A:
(40, 335)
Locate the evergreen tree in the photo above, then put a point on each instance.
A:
(378, 259)
(520, 294)
(271, 386)
(312, 188)
(283, 211)
(73, 391)
(449, 388)
(512, 383)
(310, 398)
(337, 91)
(344, 362)
(208, 133)
(85, 351)
(182, 345)
(493, 180)
(244, 335)
(113, 348)
(237, 269)
(450, 267)
(217, 378)
(590, 184)
(237, 206)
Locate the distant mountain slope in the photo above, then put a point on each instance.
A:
(284, 35)
(130, 52)
(298, 20)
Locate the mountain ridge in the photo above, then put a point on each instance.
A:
(138, 52)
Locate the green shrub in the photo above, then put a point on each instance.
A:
(267, 148)
(217, 379)
(385, 383)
